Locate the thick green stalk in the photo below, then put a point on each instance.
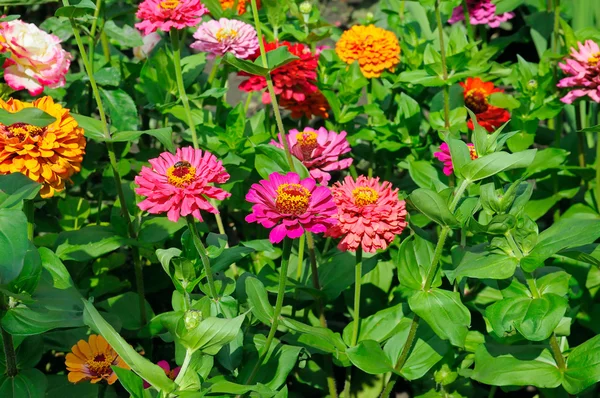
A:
(184, 367)
(467, 16)
(581, 117)
(438, 18)
(412, 333)
(92, 44)
(9, 354)
(557, 353)
(355, 314)
(598, 171)
(203, 256)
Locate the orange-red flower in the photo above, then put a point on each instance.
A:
(476, 97)
(241, 5)
(375, 49)
(49, 155)
(92, 360)
(315, 104)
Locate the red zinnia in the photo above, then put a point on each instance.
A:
(315, 104)
(476, 96)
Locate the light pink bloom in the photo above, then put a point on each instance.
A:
(481, 12)
(291, 206)
(444, 156)
(181, 184)
(226, 36)
(171, 374)
(319, 150)
(150, 41)
(370, 215)
(167, 14)
(36, 58)
(583, 73)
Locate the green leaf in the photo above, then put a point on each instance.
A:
(433, 206)
(425, 175)
(126, 307)
(132, 383)
(164, 135)
(15, 188)
(485, 266)
(126, 36)
(270, 159)
(496, 162)
(13, 243)
(28, 383)
(157, 229)
(460, 153)
(379, 326)
(212, 334)
(121, 108)
(84, 7)
(74, 211)
(93, 129)
(583, 366)
(33, 116)
(444, 312)
(245, 66)
(88, 243)
(277, 58)
(503, 6)
(414, 260)
(259, 300)
(504, 101)
(370, 358)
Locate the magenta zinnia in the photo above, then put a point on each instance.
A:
(583, 71)
(319, 150)
(167, 14)
(181, 184)
(370, 215)
(443, 155)
(481, 12)
(290, 206)
(226, 36)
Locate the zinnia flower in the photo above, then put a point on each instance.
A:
(444, 156)
(150, 41)
(314, 104)
(226, 36)
(181, 184)
(36, 58)
(92, 360)
(49, 155)
(369, 214)
(583, 71)
(476, 94)
(171, 374)
(167, 14)
(481, 12)
(375, 49)
(319, 150)
(293, 81)
(291, 205)
(241, 5)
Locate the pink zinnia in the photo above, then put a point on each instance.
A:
(444, 156)
(291, 205)
(583, 71)
(167, 14)
(226, 36)
(319, 150)
(369, 214)
(171, 374)
(181, 184)
(481, 12)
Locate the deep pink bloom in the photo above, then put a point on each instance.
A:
(369, 214)
(444, 156)
(36, 58)
(226, 36)
(291, 206)
(481, 12)
(181, 184)
(171, 374)
(319, 150)
(583, 73)
(167, 14)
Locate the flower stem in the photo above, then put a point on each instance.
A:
(557, 353)
(467, 16)
(174, 33)
(184, 367)
(580, 112)
(285, 258)
(28, 209)
(438, 18)
(598, 172)
(8, 345)
(203, 257)
(356, 313)
(92, 45)
(492, 391)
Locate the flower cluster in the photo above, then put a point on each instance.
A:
(583, 72)
(481, 12)
(166, 14)
(476, 95)
(443, 155)
(226, 35)
(93, 360)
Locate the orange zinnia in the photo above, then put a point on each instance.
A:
(92, 361)
(375, 49)
(49, 155)
(476, 97)
(241, 5)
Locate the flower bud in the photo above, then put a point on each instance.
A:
(192, 319)
(532, 85)
(445, 375)
(369, 17)
(305, 7)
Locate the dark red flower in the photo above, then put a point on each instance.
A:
(476, 96)
(491, 119)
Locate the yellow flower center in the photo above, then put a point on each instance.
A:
(473, 152)
(594, 59)
(476, 100)
(307, 141)
(292, 199)
(364, 196)
(100, 364)
(223, 34)
(181, 174)
(169, 4)
(24, 130)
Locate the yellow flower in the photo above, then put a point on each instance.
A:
(92, 360)
(375, 49)
(49, 155)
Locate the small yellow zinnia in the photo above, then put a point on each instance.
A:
(49, 155)
(375, 49)
(92, 360)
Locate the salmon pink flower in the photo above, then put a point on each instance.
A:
(35, 60)
(226, 36)
(181, 184)
(443, 155)
(171, 374)
(369, 215)
(319, 150)
(481, 12)
(583, 73)
(291, 206)
(167, 14)
(476, 95)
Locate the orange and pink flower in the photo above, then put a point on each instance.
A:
(290, 205)
(583, 73)
(181, 184)
(476, 95)
(443, 155)
(167, 14)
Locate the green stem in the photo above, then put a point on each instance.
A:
(580, 113)
(355, 314)
(92, 45)
(285, 257)
(598, 172)
(28, 209)
(174, 33)
(184, 367)
(459, 193)
(248, 102)
(467, 16)
(203, 257)
(9, 354)
(299, 267)
(105, 46)
(437, 254)
(438, 18)
(557, 353)
(492, 391)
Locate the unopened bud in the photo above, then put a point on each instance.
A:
(532, 85)
(445, 375)
(369, 17)
(305, 7)
(192, 319)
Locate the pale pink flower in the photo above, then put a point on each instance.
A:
(150, 41)
(226, 36)
(167, 14)
(481, 12)
(369, 215)
(290, 206)
(443, 155)
(181, 184)
(36, 58)
(583, 71)
(319, 150)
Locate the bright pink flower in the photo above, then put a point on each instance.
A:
(481, 12)
(291, 205)
(319, 150)
(36, 58)
(171, 374)
(181, 184)
(444, 156)
(226, 36)
(369, 214)
(167, 14)
(583, 71)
